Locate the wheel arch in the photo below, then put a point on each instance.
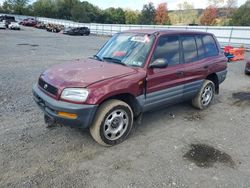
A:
(129, 99)
(214, 78)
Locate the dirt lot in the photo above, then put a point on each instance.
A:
(173, 147)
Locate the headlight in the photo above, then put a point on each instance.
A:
(75, 94)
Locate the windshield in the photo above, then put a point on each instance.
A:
(128, 49)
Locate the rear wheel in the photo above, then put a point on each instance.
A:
(113, 123)
(205, 96)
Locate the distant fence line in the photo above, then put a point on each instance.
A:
(226, 35)
(237, 36)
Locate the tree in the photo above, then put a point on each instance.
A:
(186, 13)
(46, 8)
(215, 3)
(131, 17)
(1, 9)
(84, 12)
(230, 7)
(241, 17)
(65, 7)
(114, 16)
(161, 14)
(79, 13)
(209, 16)
(15, 6)
(147, 14)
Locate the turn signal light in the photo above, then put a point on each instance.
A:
(67, 115)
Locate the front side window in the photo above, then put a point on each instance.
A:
(168, 47)
(189, 49)
(130, 49)
(210, 46)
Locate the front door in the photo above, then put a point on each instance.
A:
(165, 85)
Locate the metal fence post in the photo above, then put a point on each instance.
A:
(231, 33)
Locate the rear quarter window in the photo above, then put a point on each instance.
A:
(210, 46)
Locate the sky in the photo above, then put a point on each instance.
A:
(138, 4)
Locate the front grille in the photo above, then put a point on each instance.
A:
(49, 88)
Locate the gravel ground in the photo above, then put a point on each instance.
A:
(158, 152)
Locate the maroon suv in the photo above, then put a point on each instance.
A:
(134, 72)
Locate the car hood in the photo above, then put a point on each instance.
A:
(83, 73)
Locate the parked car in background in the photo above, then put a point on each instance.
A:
(247, 68)
(77, 31)
(2, 25)
(14, 26)
(134, 72)
(7, 19)
(28, 22)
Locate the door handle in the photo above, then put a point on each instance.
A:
(205, 67)
(180, 73)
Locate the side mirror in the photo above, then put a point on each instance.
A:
(159, 63)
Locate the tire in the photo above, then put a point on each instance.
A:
(206, 94)
(109, 117)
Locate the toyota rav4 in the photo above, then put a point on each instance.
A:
(134, 72)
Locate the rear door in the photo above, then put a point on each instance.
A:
(198, 53)
(195, 64)
(165, 85)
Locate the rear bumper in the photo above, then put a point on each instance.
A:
(51, 107)
(247, 70)
(221, 76)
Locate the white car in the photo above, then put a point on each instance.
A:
(14, 26)
(2, 25)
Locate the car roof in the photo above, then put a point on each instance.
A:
(164, 31)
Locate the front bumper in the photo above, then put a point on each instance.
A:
(51, 107)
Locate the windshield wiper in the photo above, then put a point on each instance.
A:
(114, 60)
(97, 57)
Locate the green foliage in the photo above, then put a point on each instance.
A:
(46, 8)
(83, 11)
(131, 17)
(185, 15)
(65, 7)
(114, 16)
(242, 16)
(147, 14)
(15, 6)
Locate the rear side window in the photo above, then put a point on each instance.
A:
(189, 49)
(210, 46)
(168, 47)
(200, 47)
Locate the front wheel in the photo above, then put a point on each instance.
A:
(206, 94)
(113, 123)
